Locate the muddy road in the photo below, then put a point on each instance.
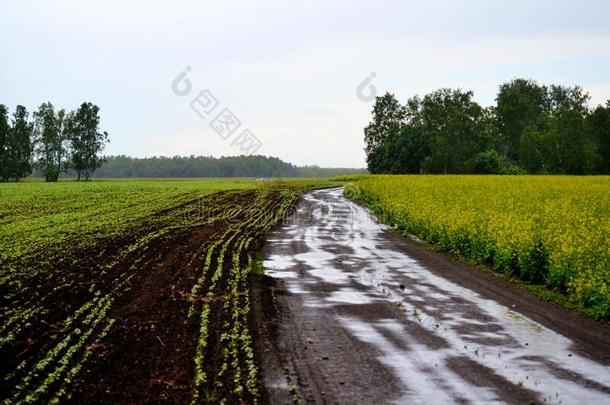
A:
(357, 314)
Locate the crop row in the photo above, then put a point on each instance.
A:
(64, 274)
(57, 314)
(228, 264)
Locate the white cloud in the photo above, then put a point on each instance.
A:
(600, 94)
(289, 71)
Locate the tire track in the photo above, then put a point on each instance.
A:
(361, 320)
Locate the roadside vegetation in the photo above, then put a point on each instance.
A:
(550, 231)
(144, 283)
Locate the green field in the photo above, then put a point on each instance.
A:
(140, 288)
(111, 269)
(552, 231)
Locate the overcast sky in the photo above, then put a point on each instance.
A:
(289, 71)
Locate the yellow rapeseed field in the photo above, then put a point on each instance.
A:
(550, 230)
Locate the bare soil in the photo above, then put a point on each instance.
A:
(148, 354)
(354, 313)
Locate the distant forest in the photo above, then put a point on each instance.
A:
(53, 143)
(533, 128)
(205, 166)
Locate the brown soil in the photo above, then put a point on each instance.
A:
(308, 353)
(148, 355)
(591, 337)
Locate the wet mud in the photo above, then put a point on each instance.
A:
(352, 313)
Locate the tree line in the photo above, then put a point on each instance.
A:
(533, 128)
(52, 142)
(207, 166)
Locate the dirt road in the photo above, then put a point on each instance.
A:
(359, 315)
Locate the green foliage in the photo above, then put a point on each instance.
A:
(598, 127)
(19, 145)
(520, 104)
(534, 128)
(53, 142)
(404, 152)
(456, 128)
(87, 143)
(4, 136)
(207, 166)
(51, 136)
(489, 162)
(512, 168)
(388, 117)
(534, 263)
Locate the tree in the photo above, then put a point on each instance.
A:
(566, 136)
(520, 104)
(405, 152)
(405, 145)
(51, 134)
(388, 117)
(19, 145)
(532, 146)
(457, 128)
(87, 143)
(598, 127)
(489, 162)
(65, 128)
(205, 166)
(544, 129)
(4, 135)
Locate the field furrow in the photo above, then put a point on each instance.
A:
(137, 300)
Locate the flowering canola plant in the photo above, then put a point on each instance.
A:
(549, 230)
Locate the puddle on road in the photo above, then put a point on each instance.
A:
(345, 258)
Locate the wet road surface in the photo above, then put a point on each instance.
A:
(360, 320)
